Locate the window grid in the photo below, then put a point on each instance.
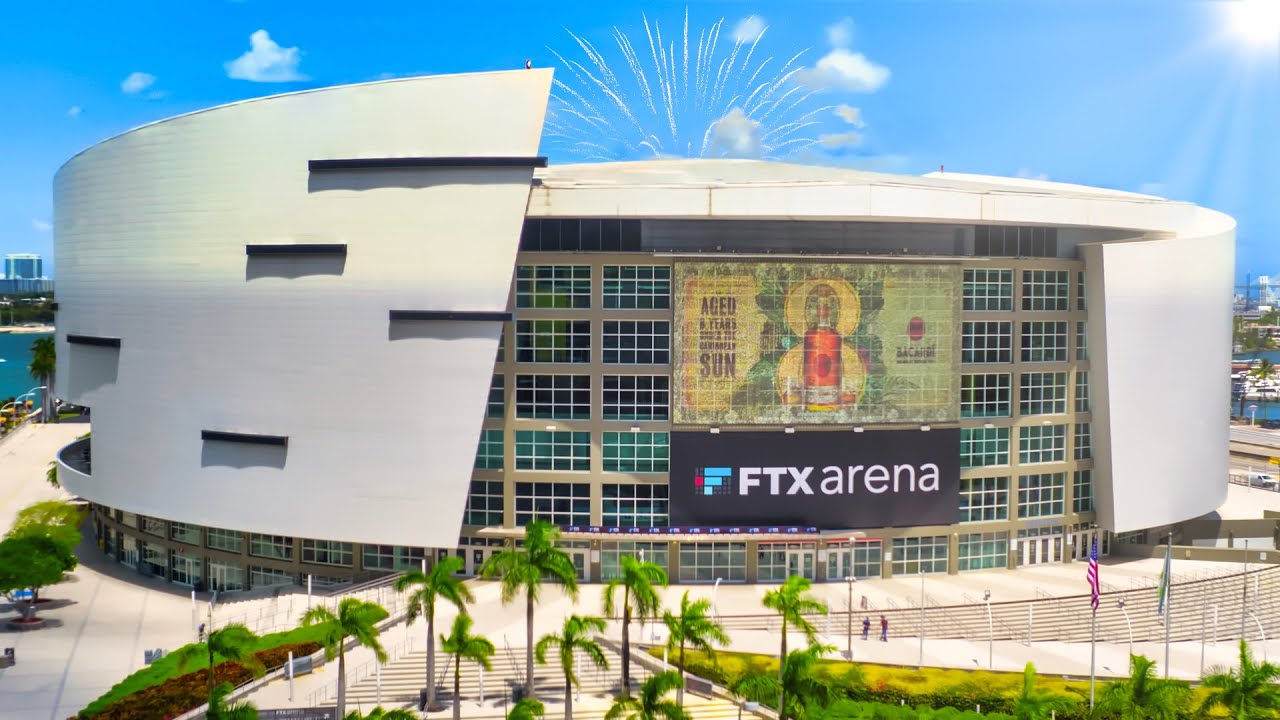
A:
(1042, 444)
(327, 552)
(489, 454)
(706, 561)
(267, 577)
(1046, 290)
(219, 539)
(611, 554)
(552, 450)
(1082, 391)
(637, 342)
(497, 397)
(484, 503)
(636, 452)
(1044, 341)
(914, 555)
(1042, 393)
(637, 287)
(553, 397)
(635, 505)
(1082, 491)
(1082, 341)
(1084, 442)
(225, 577)
(553, 286)
(636, 397)
(1015, 241)
(1041, 495)
(391, 557)
(986, 395)
(184, 533)
(184, 568)
(863, 558)
(557, 503)
(771, 560)
(279, 547)
(988, 290)
(151, 526)
(1081, 303)
(984, 447)
(983, 551)
(553, 341)
(986, 342)
(984, 499)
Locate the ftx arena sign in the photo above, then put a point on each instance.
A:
(830, 479)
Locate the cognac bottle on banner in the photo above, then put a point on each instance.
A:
(822, 355)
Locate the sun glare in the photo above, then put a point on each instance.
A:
(1257, 21)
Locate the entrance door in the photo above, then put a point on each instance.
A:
(800, 562)
(476, 558)
(581, 563)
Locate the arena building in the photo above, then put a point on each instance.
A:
(336, 332)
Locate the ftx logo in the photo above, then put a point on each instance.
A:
(713, 481)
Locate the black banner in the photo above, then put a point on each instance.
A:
(832, 480)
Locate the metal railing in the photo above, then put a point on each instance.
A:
(363, 671)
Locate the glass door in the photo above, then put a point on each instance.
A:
(800, 562)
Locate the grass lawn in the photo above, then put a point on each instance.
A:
(167, 667)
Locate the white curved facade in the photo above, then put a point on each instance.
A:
(361, 428)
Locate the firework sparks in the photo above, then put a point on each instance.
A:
(671, 98)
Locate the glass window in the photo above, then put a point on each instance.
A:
(1082, 391)
(1042, 393)
(1082, 341)
(634, 505)
(915, 555)
(225, 577)
(865, 556)
(127, 519)
(988, 290)
(1046, 290)
(1015, 241)
(184, 568)
(636, 397)
(155, 559)
(327, 552)
(557, 503)
(1042, 443)
(636, 452)
(1041, 495)
(151, 526)
(219, 539)
(985, 395)
(1084, 443)
(184, 533)
(986, 342)
(982, 447)
(637, 342)
(1044, 342)
(1082, 491)
(637, 287)
(553, 341)
(497, 397)
(984, 551)
(489, 453)
(1080, 294)
(771, 560)
(484, 503)
(553, 286)
(551, 450)
(611, 554)
(553, 397)
(271, 546)
(707, 561)
(267, 577)
(391, 557)
(984, 499)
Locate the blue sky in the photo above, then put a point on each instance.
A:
(1161, 96)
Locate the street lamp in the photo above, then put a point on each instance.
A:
(849, 628)
(991, 633)
(1120, 604)
(1253, 409)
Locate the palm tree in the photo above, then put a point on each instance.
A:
(1248, 692)
(693, 627)
(220, 710)
(355, 619)
(1032, 703)
(639, 599)
(1263, 371)
(523, 569)
(576, 635)
(462, 645)
(1143, 696)
(379, 713)
(791, 602)
(756, 686)
(234, 642)
(651, 703)
(527, 709)
(441, 582)
(44, 363)
(800, 687)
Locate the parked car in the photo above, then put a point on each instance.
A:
(1262, 480)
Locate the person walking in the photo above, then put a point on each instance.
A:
(866, 627)
(884, 629)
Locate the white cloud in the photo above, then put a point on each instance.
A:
(41, 225)
(736, 135)
(74, 111)
(266, 62)
(137, 82)
(1028, 174)
(850, 114)
(840, 140)
(842, 69)
(748, 29)
(840, 35)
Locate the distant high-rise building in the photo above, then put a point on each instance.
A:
(23, 266)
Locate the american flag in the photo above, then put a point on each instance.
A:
(1095, 590)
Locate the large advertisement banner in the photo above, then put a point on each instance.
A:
(793, 343)
(832, 480)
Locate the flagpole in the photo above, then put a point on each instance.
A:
(1093, 652)
(1168, 597)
